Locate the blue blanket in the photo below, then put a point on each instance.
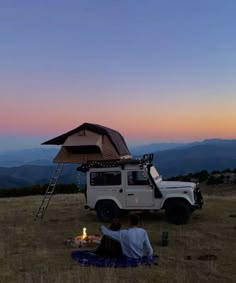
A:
(88, 258)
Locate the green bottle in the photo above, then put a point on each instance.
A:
(164, 239)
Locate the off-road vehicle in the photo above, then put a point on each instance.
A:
(134, 184)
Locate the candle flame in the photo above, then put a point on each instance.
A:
(84, 233)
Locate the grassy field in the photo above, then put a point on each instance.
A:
(204, 250)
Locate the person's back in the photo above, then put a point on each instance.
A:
(109, 247)
(133, 240)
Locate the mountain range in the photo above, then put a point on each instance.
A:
(27, 175)
(208, 155)
(34, 166)
(33, 156)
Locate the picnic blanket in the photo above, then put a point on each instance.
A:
(88, 258)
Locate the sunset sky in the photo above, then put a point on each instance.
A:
(155, 70)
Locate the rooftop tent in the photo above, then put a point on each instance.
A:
(90, 142)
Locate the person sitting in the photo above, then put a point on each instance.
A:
(108, 247)
(133, 240)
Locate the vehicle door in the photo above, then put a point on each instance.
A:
(139, 192)
(106, 184)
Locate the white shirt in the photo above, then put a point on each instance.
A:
(133, 241)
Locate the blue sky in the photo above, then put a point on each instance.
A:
(154, 70)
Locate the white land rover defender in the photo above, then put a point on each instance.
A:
(134, 184)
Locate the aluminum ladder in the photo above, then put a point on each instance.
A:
(49, 192)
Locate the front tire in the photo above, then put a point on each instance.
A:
(178, 212)
(107, 210)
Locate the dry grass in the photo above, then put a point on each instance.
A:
(35, 251)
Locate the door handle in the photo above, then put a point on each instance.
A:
(121, 190)
(130, 194)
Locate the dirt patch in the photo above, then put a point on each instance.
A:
(196, 217)
(232, 215)
(54, 220)
(207, 257)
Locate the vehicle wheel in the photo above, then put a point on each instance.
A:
(107, 210)
(178, 212)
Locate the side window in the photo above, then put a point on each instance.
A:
(109, 178)
(137, 178)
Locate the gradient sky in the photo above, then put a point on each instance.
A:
(161, 70)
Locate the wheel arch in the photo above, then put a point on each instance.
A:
(172, 200)
(178, 210)
(114, 200)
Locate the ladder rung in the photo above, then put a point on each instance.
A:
(47, 196)
(40, 210)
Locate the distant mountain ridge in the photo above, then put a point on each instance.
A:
(34, 156)
(154, 147)
(28, 175)
(44, 156)
(209, 154)
(212, 154)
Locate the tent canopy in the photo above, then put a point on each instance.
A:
(90, 142)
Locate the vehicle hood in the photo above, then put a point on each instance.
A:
(175, 185)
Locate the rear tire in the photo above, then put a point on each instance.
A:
(178, 212)
(107, 210)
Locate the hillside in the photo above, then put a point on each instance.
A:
(201, 251)
(155, 147)
(33, 174)
(7, 181)
(209, 155)
(44, 156)
(35, 156)
(189, 158)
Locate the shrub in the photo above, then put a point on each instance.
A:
(202, 176)
(228, 170)
(38, 190)
(215, 180)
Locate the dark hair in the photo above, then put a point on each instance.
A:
(133, 219)
(115, 225)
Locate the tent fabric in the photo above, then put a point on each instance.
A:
(70, 155)
(78, 140)
(88, 150)
(115, 137)
(89, 258)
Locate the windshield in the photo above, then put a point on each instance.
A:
(153, 172)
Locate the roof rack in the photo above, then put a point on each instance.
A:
(146, 159)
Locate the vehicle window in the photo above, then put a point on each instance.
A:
(137, 178)
(109, 178)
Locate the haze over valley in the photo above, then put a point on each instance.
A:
(34, 166)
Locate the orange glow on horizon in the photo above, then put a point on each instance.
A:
(144, 129)
(142, 120)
